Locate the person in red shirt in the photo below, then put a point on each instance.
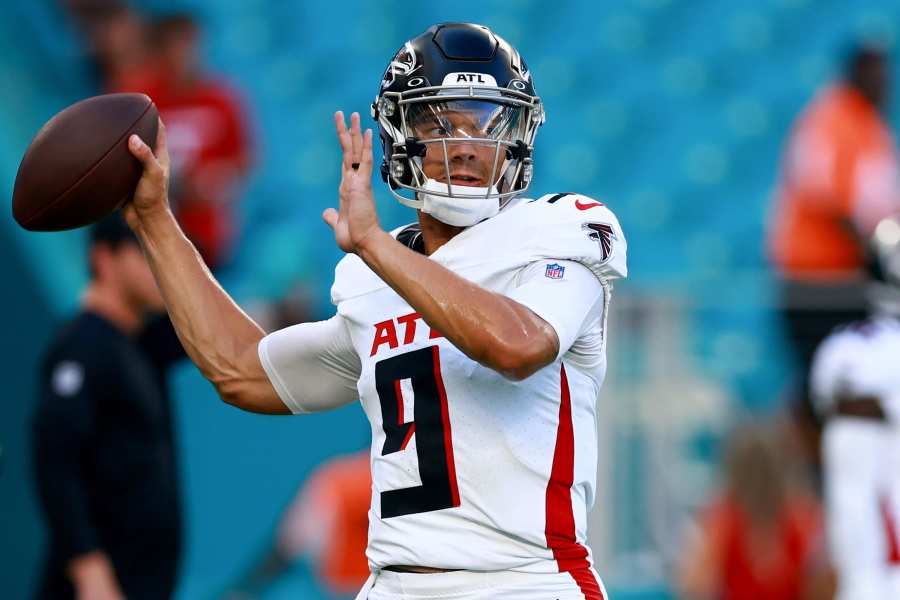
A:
(208, 136)
(761, 536)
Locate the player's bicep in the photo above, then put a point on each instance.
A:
(565, 294)
(312, 366)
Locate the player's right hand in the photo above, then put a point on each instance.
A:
(152, 193)
(355, 222)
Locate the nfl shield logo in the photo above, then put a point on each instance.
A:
(554, 271)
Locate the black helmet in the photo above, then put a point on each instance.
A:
(884, 266)
(453, 67)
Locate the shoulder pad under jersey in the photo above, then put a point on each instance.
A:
(573, 227)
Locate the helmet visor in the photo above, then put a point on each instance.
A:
(473, 119)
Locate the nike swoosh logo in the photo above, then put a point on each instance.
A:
(581, 206)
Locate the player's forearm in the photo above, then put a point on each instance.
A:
(213, 329)
(488, 327)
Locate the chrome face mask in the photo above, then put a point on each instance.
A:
(498, 125)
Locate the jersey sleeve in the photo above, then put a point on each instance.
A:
(578, 228)
(63, 428)
(566, 294)
(312, 366)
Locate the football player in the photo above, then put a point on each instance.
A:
(474, 338)
(855, 382)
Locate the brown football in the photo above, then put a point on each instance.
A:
(77, 168)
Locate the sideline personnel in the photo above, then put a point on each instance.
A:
(103, 445)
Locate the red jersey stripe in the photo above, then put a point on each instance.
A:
(890, 531)
(399, 393)
(445, 416)
(559, 530)
(409, 434)
(588, 584)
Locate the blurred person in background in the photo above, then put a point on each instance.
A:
(104, 454)
(292, 307)
(761, 536)
(327, 524)
(208, 134)
(839, 177)
(117, 39)
(855, 382)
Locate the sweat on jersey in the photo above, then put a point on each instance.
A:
(471, 470)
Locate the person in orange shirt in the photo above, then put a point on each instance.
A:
(839, 178)
(327, 523)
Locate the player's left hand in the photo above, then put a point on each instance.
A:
(355, 222)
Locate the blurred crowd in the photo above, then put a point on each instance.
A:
(209, 128)
(209, 135)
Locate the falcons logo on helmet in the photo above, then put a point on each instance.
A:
(402, 64)
(603, 234)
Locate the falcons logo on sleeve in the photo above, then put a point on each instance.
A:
(603, 234)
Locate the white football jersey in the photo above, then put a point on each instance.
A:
(471, 470)
(859, 359)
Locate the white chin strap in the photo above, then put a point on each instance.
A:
(468, 206)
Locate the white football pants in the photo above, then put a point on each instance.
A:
(471, 585)
(862, 506)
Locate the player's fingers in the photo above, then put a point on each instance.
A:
(343, 136)
(143, 153)
(367, 158)
(355, 140)
(162, 147)
(330, 216)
